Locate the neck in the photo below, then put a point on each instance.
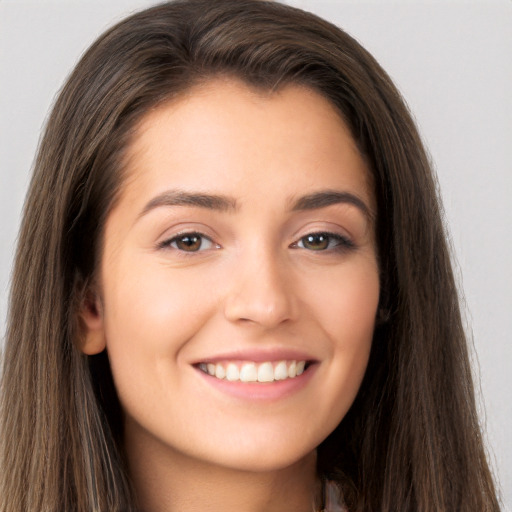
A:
(167, 481)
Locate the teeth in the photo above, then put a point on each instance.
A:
(248, 372)
(266, 372)
(220, 371)
(252, 372)
(232, 372)
(281, 371)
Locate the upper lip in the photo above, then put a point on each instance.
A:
(259, 356)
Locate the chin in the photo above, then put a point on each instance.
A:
(262, 462)
(274, 454)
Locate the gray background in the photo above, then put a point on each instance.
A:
(453, 63)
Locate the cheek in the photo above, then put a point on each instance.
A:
(346, 303)
(151, 312)
(346, 312)
(353, 310)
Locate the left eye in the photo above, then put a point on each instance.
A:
(322, 242)
(189, 242)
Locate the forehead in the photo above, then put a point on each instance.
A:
(227, 129)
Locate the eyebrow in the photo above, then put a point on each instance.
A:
(198, 199)
(326, 198)
(223, 203)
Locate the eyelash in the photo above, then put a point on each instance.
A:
(341, 243)
(168, 244)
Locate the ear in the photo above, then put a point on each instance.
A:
(92, 340)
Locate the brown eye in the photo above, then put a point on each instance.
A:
(189, 242)
(324, 242)
(316, 241)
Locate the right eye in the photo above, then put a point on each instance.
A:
(189, 242)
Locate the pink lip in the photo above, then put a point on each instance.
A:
(260, 391)
(259, 356)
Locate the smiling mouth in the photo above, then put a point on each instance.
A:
(249, 371)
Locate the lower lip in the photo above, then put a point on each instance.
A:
(261, 391)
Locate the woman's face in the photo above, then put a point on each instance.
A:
(242, 245)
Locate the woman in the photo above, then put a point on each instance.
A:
(232, 288)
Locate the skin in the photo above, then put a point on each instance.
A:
(255, 284)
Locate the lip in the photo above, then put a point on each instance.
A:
(259, 391)
(259, 356)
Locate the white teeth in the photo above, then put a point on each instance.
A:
(281, 371)
(252, 372)
(265, 372)
(232, 372)
(220, 371)
(248, 373)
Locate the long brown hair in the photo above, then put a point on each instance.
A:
(411, 440)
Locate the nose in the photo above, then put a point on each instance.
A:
(261, 292)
